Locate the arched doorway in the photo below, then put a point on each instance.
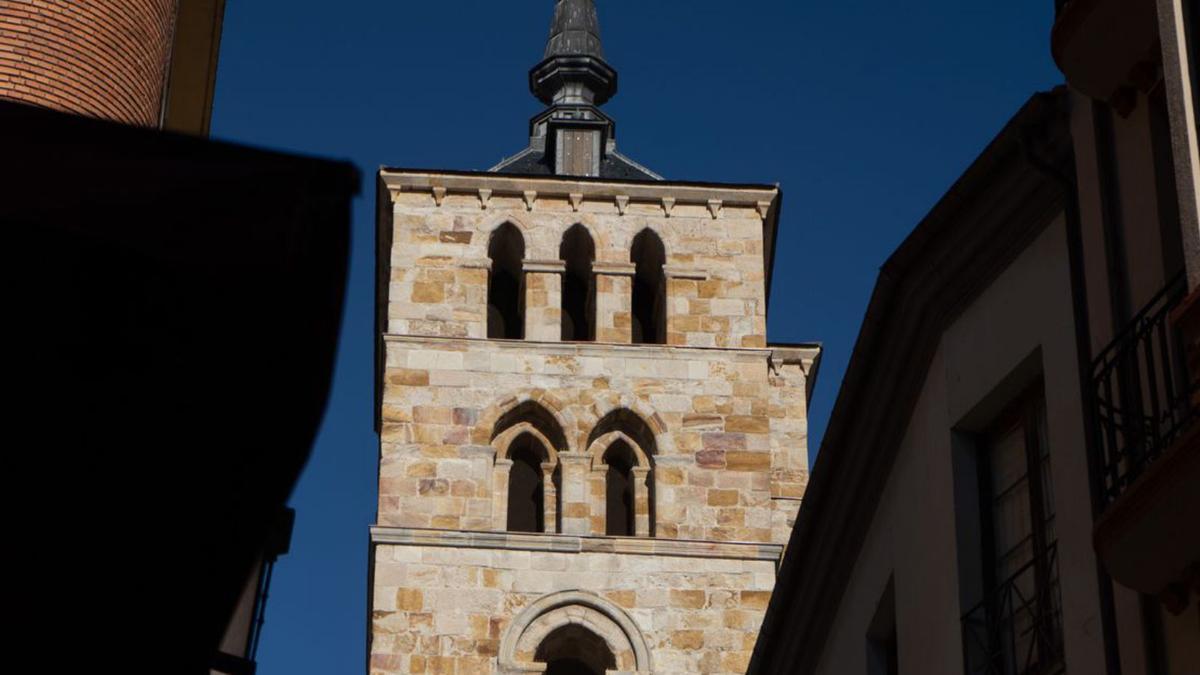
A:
(573, 632)
(575, 650)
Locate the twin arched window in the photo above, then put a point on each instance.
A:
(616, 483)
(506, 288)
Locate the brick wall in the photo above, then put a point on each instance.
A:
(100, 58)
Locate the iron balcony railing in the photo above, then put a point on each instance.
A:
(1143, 398)
(1017, 630)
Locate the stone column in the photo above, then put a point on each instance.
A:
(598, 499)
(576, 515)
(500, 472)
(543, 300)
(550, 498)
(614, 302)
(641, 501)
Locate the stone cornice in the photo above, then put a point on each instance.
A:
(576, 190)
(565, 543)
(808, 357)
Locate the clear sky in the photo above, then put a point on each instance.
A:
(864, 112)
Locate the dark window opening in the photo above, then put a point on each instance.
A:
(883, 645)
(506, 290)
(1016, 629)
(526, 494)
(649, 289)
(579, 286)
(575, 650)
(620, 510)
(636, 428)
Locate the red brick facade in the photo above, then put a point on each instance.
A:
(101, 58)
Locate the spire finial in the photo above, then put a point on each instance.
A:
(572, 136)
(575, 30)
(574, 69)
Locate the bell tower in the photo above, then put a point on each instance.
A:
(590, 457)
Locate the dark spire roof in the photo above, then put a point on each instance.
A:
(574, 56)
(575, 30)
(573, 136)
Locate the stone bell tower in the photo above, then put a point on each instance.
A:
(590, 457)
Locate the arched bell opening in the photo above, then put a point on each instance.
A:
(526, 486)
(575, 650)
(578, 251)
(649, 289)
(506, 288)
(620, 506)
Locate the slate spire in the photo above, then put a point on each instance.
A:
(573, 69)
(575, 30)
(572, 136)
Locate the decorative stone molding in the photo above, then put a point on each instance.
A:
(593, 189)
(668, 203)
(601, 445)
(548, 266)
(805, 357)
(530, 199)
(715, 208)
(439, 195)
(590, 611)
(504, 440)
(614, 269)
(763, 207)
(576, 199)
(569, 543)
(485, 197)
(622, 203)
(485, 430)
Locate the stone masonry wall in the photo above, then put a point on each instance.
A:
(439, 263)
(725, 428)
(447, 610)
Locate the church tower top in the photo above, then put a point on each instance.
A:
(572, 137)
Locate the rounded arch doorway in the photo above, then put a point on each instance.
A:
(575, 650)
(573, 632)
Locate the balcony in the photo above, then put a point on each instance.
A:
(1146, 409)
(1017, 630)
(1102, 46)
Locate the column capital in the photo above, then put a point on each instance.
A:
(544, 266)
(614, 269)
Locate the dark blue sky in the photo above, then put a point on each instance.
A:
(864, 112)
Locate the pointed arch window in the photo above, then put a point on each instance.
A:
(527, 478)
(578, 251)
(622, 448)
(526, 490)
(506, 288)
(619, 498)
(649, 289)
